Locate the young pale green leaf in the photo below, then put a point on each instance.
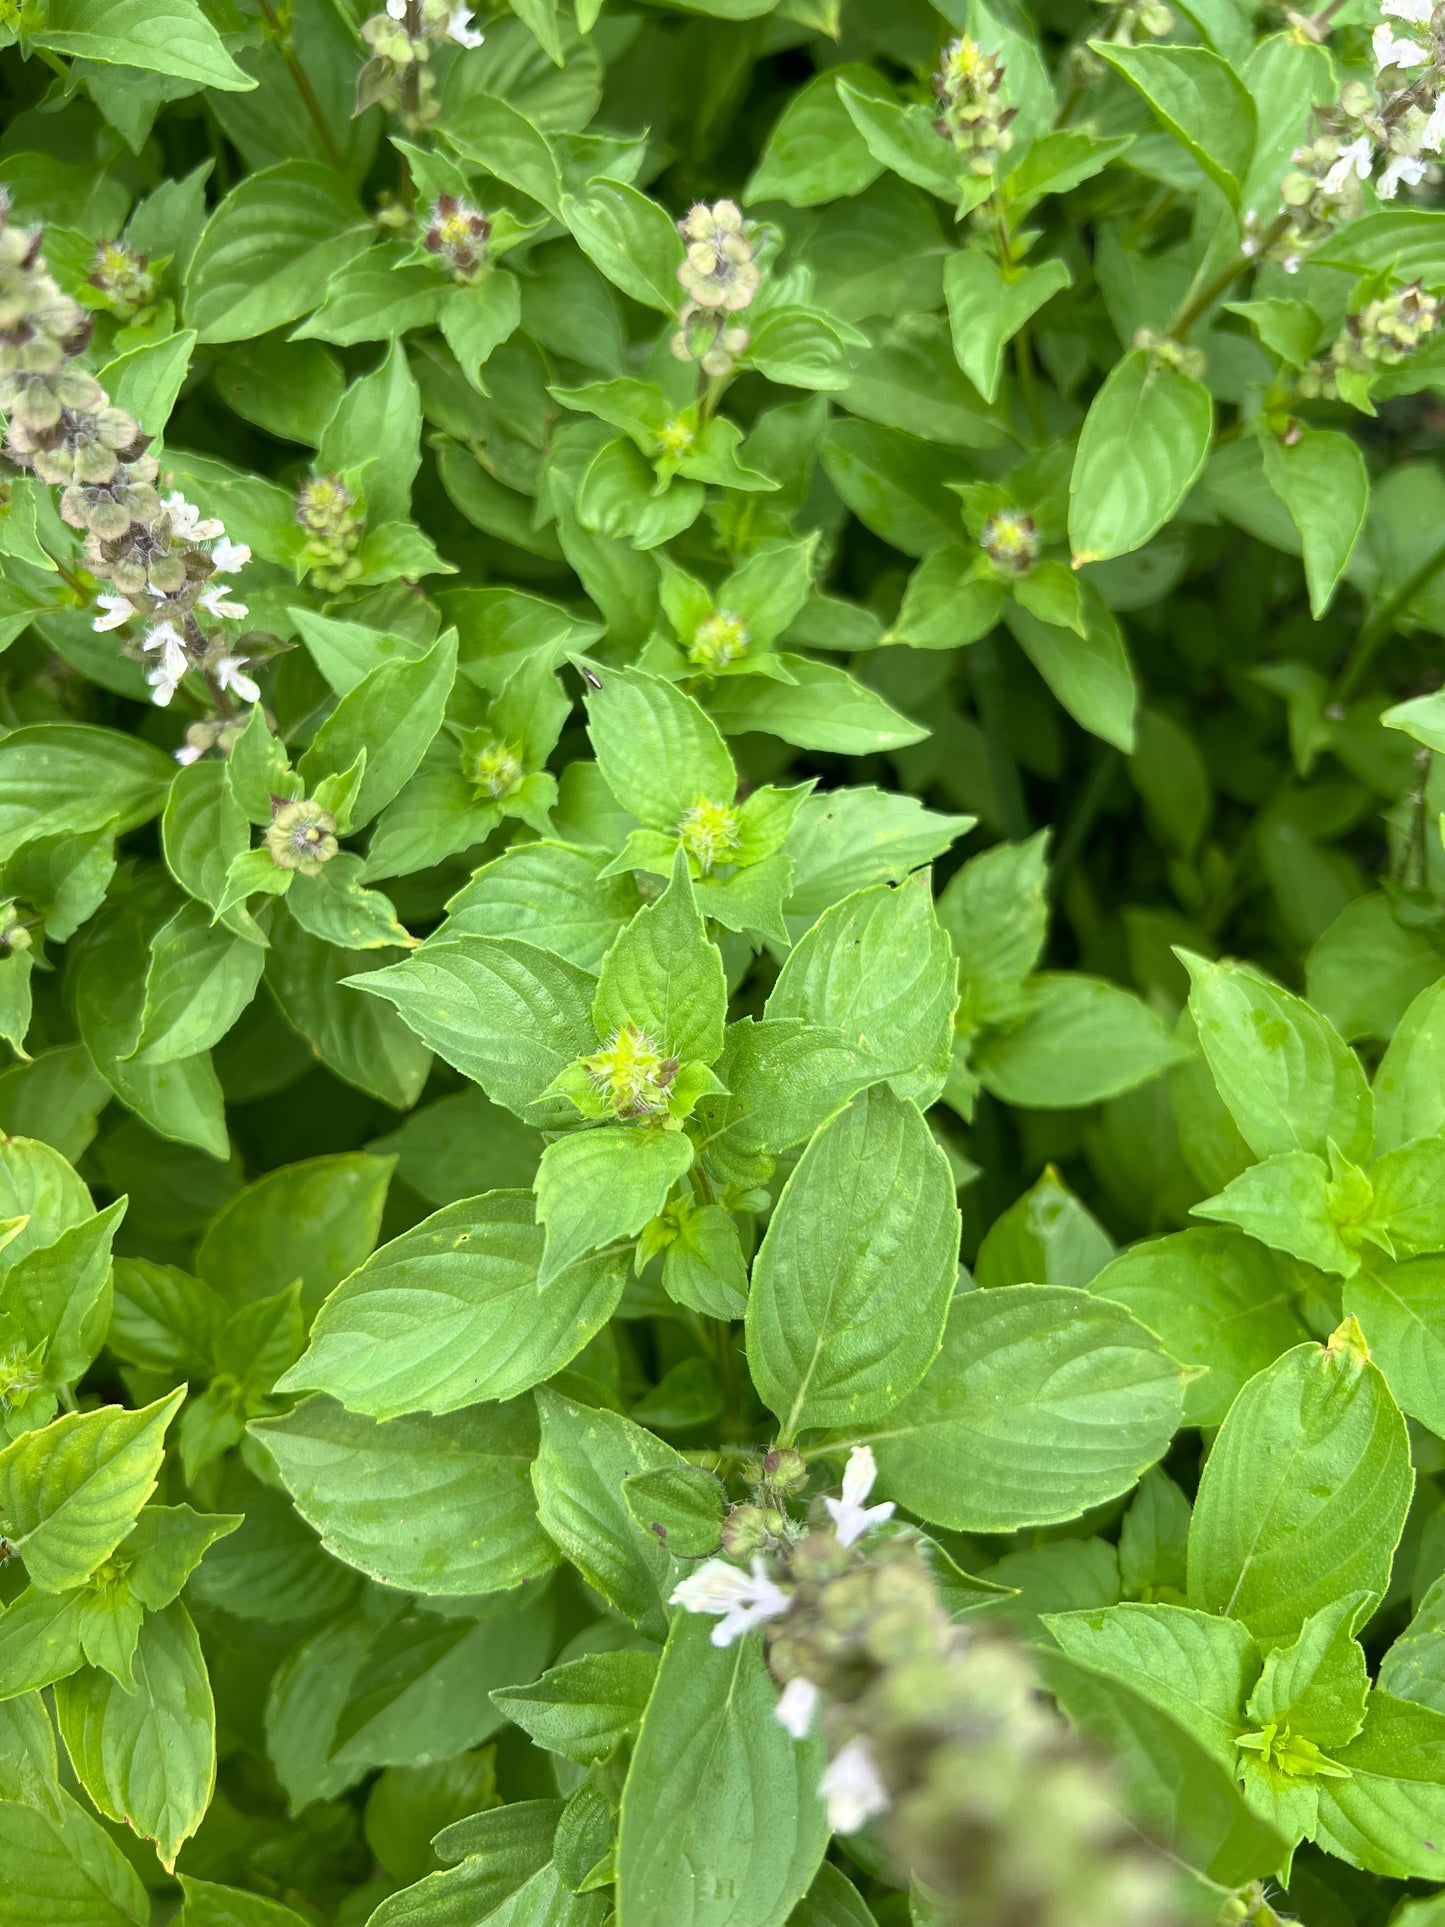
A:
(1141, 449)
(721, 1820)
(459, 1481)
(1409, 1088)
(657, 750)
(70, 1492)
(449, 1314)
(852, 1285)
(1046, 1237)
(68, 1869)
(172, 37)
(1289, 1080)
(584, 1457)
(39, 1640)
(393, 714)
(1290, 1202)
(553, 895)
(1042, 1403)
(1385, 1816)
(1196, 96)
(1317, 1686)
(148, 1758)
(1322, 480)
(665, 976)
(1304, 1495)
(1401, 1311)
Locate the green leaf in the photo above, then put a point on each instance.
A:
(584, 1458)
(269, 250)
(665, 976)
(70, 1492)
(821, 707)
(1289, 1080)
(1196, 1668)
(631, 239)
(449, 1314)
(597, 1188)
(1080, 1039)
(1042, 1403)
(1196, 96)
(1409, 1089)
(393, 713)
(159, 36)
(1401, 1311)
(62, 779)
(815, 153)
(986, 311)
(148, 1758)
(199, 980)
(460, 1481)
(853, 1281)
(1304, 1495)
(210, 1905)
(67, 1870)
(1046, 1237)
(878, 968)
(1322, 480)
(721, 1820)
(315, 1220)
(584, 1709)
(1222, 1304)
(505, 1013)
(1384, 1817)
(59, 1294)
(682, 1506)
(1290, 1202)
(658, 750)
(549, 894)
(1141, 449)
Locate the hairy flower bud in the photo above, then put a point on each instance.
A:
(301, 836)
(631, 1073)
(1010, 541)
(457, 234)
(718, 269)
(720, 638)
(709, 833)
(122, 278)
(972, 116)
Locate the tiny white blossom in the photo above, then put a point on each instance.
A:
(117, 611)
(460, 28)
(850, 1515)
(214, 602)
(1418, 12)
(186, 520)
(852, 1788)
(397, 9)
(1433, 138)
(230, 556)
(796, 1706)
(230, 674)
(1357, 158)
(187, 753)
(742, 1600)
(169, 672)
(1390, 52)
(1401, 168)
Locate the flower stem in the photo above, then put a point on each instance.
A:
(303, 86)
(1381, 624)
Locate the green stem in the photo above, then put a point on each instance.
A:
(1076, 830)
(1197, 304)
(303, 86)
(734, 1425)
(69, 577)
(1377, 627)
(1028, 383)
(1008, 794)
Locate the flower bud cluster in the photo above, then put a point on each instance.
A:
(398, 76)
(1385, 333)
(1010, 541)
(631, 1073)
(457, 234)
(708, 833)
(1165, 352)
(333, 520)
(972, 115)
(494, 768)
(123, 279)
(301, 836)
(720, 276)
(720, 638)
(160, 557)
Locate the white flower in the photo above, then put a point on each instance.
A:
(187, 753)
(117, 610)
(743, 1601)
(1358, 158)
(850, 1515)
(1401, 168)
(186, 520)
(852, 1789)
(170, 671)
(1433, 138)
(1418, 12)
(230, 556)
(397, 9)
(460, 28)
(796, 1706)
(1390, 52)
(230, 674)
(214, 602)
